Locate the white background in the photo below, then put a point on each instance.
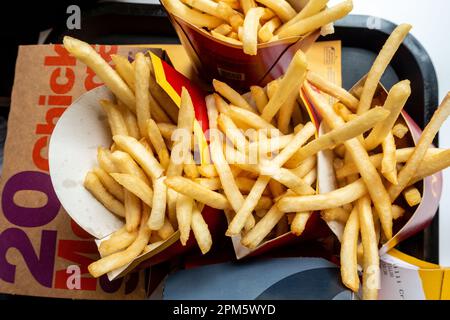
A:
(431, 26)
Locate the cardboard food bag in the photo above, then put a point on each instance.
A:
(216, 59)
(43, 252)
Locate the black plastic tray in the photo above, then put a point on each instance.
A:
(121, 23)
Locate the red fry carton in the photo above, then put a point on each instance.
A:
(217, 59)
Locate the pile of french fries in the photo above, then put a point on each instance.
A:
(263, 150)
(249, 22)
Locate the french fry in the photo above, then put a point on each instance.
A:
(289, 179)
(332, 199)
(314, 22)
(265, 33)
(124, 69)
(260, 97)
(380, 64)
(189, 167)
(115, 119)
(306, 166)
(130, 120)
(282, 8)
(158, 143)
(238, 221)
(209, 7)
(349, 245)
(207, 170)
(141, 79)
(135, 186)
(412, 196)
(371, 265)
(109, 183)
(335, 214)
(332, 89)
(311, 8)
(158, 212)
(339, 135)
(119, 240)
(369, 174)
(233, 35)
(142, 156)
(395, 101)
(252, 120)
(152, 246)
(86, 54)
(299, 222)
(121, 258)
(197, 192)
(254, 237)
(250, 31)
(397, 211)
(388, 164)
(247, 5)
(190, 15)
(291, 82)
(223, 29)
(428, 134)
(270, 145)
(200, 230)
(184, 216)
(285, 113)
(226, 38)
(94, 186)
(125, 164)
(431, 164)
(104, 159)
(132, 206)
(399, 130)
(166, 231)
(232, 132)
(401, 155)
(236, 21)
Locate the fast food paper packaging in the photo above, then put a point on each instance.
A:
(216, 59)
(43, 252)
(402, 276)
(324, 58)
(74, 163)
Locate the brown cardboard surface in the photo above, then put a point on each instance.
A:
(42, 252)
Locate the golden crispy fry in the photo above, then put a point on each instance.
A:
(371, 265)
(431, 164)
(209, 7)
(388, 164)
(184, 216)
(166, 231)
(285, 113)
(207, 170)
(332, 89)
(104, 158)
(135, 186)
(115, 119)
(412, 196)
(311, 8)
(124, 69)
(197, 192)
(142, 156)
(152, 246)
(289, 179)
(335, 214)
(247, 5)
(158, 143)
(157, 215)
(119, 240)
(399, 130)
(428, 134)
(94, 186)
(381, 62)
(125, 164)
(282, 8)
(299, 222)
(260, 97)
(223, 29)
(395, 101)
(189, 167)
(314, 22)
(401, 155)
(200, 230)
(270, 145)
(130, 120)
(141, 78)
(226, 38)
(119, 259)
(339, 135)
(132, 211)
(397, 212)
(349, 245)
(190, 15)
(265, 33)
(291, 82)
(332, 199)
(109, 183)
(231, 95)
(368, 172)
(86, 54)
(254, 237)
(252, 120)
(276, 188)
(306, 166)
(236, 21)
